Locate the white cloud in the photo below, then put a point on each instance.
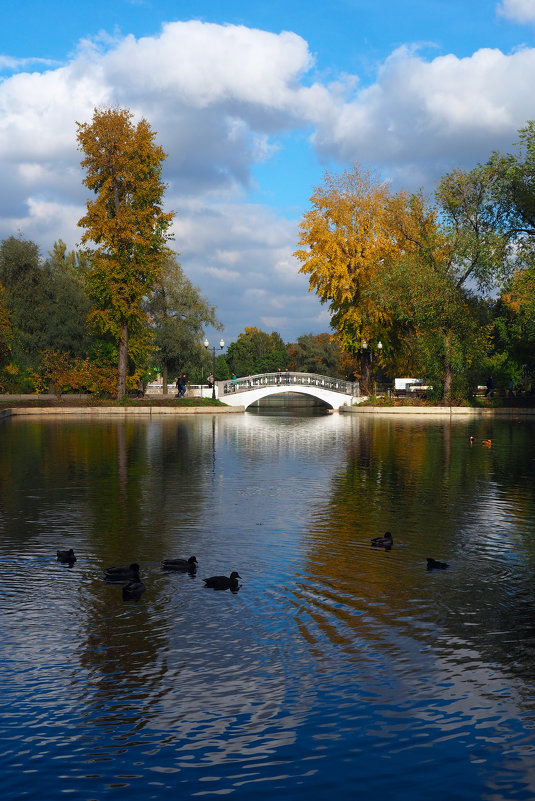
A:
(428, 116)
(522, 11)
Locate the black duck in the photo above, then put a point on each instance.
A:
(122, 573)
(66, 557)
(189, 565)
(223, 582)
(133, 590)
(385, 541)
(434, 564)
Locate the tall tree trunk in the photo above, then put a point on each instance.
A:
(164, 378)
(123, 362)
(448, 373)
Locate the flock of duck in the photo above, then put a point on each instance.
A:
(133, 587)
(387, 541)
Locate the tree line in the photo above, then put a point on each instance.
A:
(48, 341)
(445, 283)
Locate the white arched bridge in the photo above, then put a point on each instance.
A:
(334, 392)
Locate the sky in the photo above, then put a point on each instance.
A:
(253, 102)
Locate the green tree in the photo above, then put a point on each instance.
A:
(126, 222)
(47, 302)
(6, 331)
(425, 288)
(178, 314)
(256, 351)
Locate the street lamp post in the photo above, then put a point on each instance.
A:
(366, 363)
(213, 349)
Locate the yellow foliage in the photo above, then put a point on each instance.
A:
(125, 221)
(521, 294)
(345, 239)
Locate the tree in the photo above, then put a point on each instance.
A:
(318, 353)
(344, 241)
(256, 351)
(47, 302)
(397, 267)
(6, 331)
(178, 313)
(126, 222)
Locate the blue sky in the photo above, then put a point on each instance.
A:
(252, 102)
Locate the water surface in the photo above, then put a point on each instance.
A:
(335, 669)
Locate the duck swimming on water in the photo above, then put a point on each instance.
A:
(385, 541)
(434, 564)
(223, 582)
(122, 573)
(133, 590)
(180, 564)
(66, 557)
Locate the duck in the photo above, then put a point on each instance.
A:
(223, 582)
(385, 541)
(434, 564)
(122, 573)
(133, 590)
(180, 564)
(66, 557)
(486, 442)
(472, 440)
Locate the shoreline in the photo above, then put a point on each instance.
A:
(444, 411)
(149, 411)
(115, 411)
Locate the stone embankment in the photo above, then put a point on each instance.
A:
(70, 408)
(444, 411)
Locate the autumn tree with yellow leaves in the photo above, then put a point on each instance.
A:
(344, 241)
(397, 268)
(127, 224)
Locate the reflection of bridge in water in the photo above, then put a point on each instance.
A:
(333, 392)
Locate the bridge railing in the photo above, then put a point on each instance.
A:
(288, 379)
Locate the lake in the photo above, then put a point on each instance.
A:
(336, 669)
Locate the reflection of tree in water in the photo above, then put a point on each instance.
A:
(440, 498)
(120, 489)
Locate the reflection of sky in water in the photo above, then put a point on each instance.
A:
(334, 667)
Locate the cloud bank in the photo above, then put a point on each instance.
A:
(224, 99)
